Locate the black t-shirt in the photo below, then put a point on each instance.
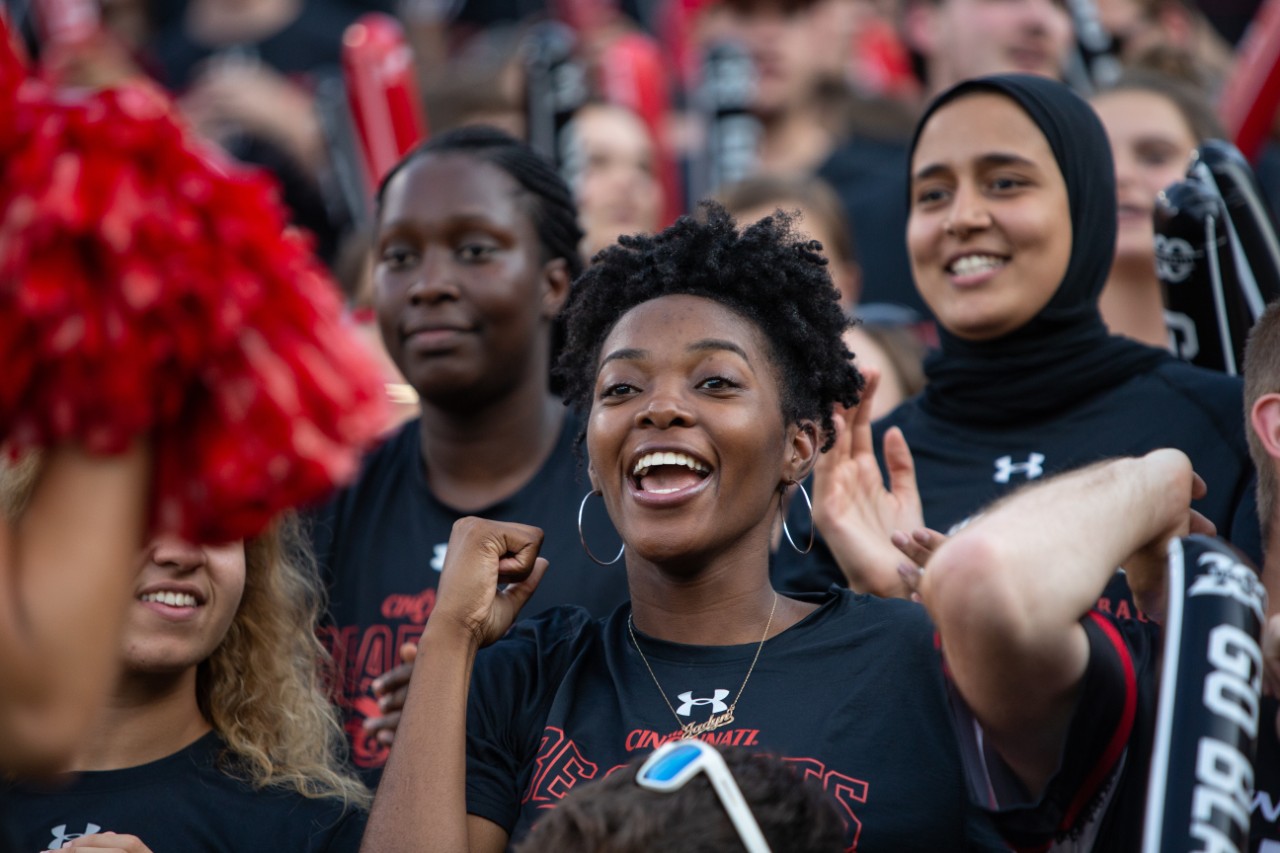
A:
(961, 468)
(852, 696)
(182, 804)
(1096, 799)
(381, 542)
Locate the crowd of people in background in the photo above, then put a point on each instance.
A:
(809, 414)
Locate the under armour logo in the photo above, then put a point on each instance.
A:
(61, 838)
(1006, 468)
(437, 562)
(716, 702)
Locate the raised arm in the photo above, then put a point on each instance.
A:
(67, 563)
(1007, 593)
(421, 803)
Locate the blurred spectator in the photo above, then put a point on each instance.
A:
(959, 39)
(246, 72)
(894, 351)
(794, 45)
(612, 174)
(821, 219)
(484, 85)
(1154, 124)
(1171, 36)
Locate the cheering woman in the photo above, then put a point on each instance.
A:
(1011, 239)
(706, 362)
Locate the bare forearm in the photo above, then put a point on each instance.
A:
(428, 762)
(66, 571)
(1007, 594)
(1047, 552)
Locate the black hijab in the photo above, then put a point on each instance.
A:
(1064, 354)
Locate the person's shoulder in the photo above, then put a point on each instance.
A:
(1184, 374)
(555, 634)
(391, 458)
(867, 618)
(1217, 396)
(564, 623)
(283, 813)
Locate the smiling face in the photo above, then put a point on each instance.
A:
(1152, 145)
(463, 295)
(971, 38)
(185, 599)
(989, 231)
(686, 434)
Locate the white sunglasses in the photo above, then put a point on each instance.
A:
(676, 762)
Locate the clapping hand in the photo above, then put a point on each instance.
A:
(853, 511)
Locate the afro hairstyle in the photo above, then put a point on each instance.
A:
(765, 273)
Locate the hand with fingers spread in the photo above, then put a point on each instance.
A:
(108, 841)
(490, 570)
(390, 689)
(854, 512)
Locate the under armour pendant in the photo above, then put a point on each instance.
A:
(1201, 785)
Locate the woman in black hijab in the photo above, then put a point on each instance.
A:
(1028, 381)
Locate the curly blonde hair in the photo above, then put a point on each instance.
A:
(263, 689)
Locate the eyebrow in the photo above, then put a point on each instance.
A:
(989, 160)
(707, 344)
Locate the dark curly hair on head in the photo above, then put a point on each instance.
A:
(553, 211)
(615, 815)
(765, 273)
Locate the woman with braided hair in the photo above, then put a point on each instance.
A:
(477, 241)
(706, 363)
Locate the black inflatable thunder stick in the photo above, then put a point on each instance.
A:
(1201, 785)
(1217, 257)
(556, 86)
(722, 101)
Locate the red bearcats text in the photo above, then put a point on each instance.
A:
(360, 656)
(560, 765)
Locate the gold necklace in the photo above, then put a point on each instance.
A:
(715, 721)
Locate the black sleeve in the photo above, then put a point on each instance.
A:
(1102, 768)
(345, 835)
(512, 687)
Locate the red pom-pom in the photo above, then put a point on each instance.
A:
(148, 287)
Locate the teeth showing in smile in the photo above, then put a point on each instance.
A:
(173, 599)
(664, 485)
(975, 264)
(652, 460)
